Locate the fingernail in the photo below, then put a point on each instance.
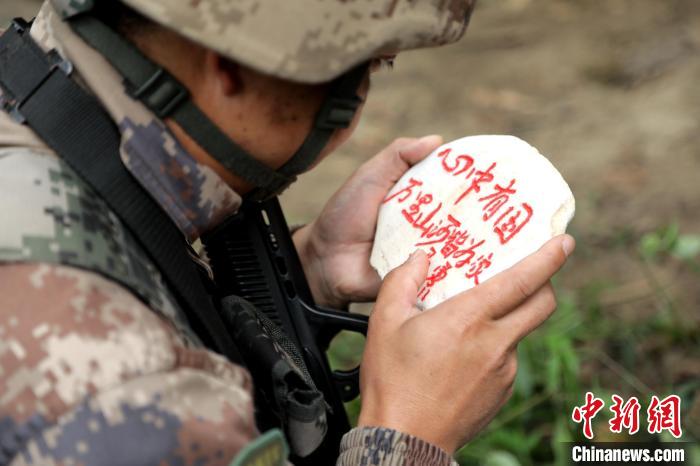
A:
(432, 139)
(568, 244)
(415, 145)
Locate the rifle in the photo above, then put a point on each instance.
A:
(253, 257)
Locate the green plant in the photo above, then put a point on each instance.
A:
(669, 242)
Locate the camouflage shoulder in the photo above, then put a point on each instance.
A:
(379, 446)
(51, 216)
(89, 375)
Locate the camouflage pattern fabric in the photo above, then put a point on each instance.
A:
(191, 193)
(69, 225)
(377, 446)
(90, 375)
(97, 365)
(306, 41)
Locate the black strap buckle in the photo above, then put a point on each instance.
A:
(338, 112)
(161, 93)
(54, 62)
(13, 106)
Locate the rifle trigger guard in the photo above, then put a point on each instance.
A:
(327, 323)
(330, 322)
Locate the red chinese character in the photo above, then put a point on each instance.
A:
(626, 415)
(464, 160)
(407, 191)
(439, 273)
(477, 267)
(497, 199)
(422, 223)
(423, 292)
(470, 252)
(480, 177)
(413, 209)
(442, 232)
(453, 243)
(508, 227)
(665, 415)
(586, 413)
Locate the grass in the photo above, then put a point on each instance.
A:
(584, 347)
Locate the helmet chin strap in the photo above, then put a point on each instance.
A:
(166, 97)
(337, 112)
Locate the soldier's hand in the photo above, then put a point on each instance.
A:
(336, 247)
(442, 374)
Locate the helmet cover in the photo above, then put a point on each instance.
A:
(309, 41)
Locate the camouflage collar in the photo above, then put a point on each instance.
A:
(192, 194)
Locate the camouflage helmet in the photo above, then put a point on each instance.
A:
(310, 41)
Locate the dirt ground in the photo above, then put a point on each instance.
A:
(607, 89)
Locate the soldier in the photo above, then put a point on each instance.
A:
(99, 363)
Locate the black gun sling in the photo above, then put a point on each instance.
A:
(38, 92)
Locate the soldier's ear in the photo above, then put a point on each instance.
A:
(224, 72)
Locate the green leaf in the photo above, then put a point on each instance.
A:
(650, 245)
(670, 235)
(561, 435)
(662, 241)
(525, 380)
(687, 247)
(570, 368)
(553, 368)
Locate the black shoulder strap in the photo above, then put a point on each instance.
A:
(38, 92)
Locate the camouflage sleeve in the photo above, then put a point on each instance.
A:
(377, 446)
(89, 375)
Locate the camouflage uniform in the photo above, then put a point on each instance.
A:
(97, 363)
